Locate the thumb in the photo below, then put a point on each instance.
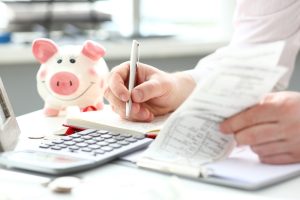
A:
(148, 90)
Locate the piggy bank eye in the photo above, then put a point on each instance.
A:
(72, 60)
(59, 61)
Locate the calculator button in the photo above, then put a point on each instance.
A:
(94, 146)
(78, 140)
(74, 148)
(99, 151)
(48, 143)
(115, 145)
(67, 138)
(106, 136)
(75, 136)
(111, 140)
(106, 148)
(95, 134)
(131, 140)
(87, 137)
(69, 143)
(56, 148)
(102, 132)
(103, 143)
(139, 137)
(119, 138)
(114, 134)
(82, 144)
(83, 133)
(44, 146)
(123, 142)
(91, 141)
(98, 139)
(57, 141)
(86, 149)
(126, 135)
(62, 145)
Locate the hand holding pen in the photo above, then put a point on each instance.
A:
(154, 93)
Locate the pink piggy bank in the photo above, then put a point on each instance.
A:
(70, 75)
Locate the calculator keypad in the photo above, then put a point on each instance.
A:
(93, 142)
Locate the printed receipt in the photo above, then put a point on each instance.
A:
(191, 137)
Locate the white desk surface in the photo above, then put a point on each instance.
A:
(116, 181)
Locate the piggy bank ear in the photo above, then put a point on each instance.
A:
(93, 50)
(43, 49)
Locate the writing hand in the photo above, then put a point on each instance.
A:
(156, 92)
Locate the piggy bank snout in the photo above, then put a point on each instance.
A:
(64, 83)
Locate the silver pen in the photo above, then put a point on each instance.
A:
(134, 58)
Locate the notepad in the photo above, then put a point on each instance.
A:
(108, 120)
(190, 144)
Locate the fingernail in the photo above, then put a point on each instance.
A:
(123, 97)
(224, 129)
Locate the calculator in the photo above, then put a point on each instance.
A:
(80, 151)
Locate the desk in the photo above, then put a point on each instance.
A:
(117, 181)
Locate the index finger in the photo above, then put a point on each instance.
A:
(258, 114)
(117, 80)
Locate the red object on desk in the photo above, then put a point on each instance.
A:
(151, 135)
(72, 129)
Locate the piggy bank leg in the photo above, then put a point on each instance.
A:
(50, 112)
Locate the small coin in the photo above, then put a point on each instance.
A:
(64, 184)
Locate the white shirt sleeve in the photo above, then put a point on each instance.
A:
(263, 21)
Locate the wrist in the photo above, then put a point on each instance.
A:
(183, 87)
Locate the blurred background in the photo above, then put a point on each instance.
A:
(174, 35)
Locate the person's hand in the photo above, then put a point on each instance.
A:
(156, 92)
(271, 128)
